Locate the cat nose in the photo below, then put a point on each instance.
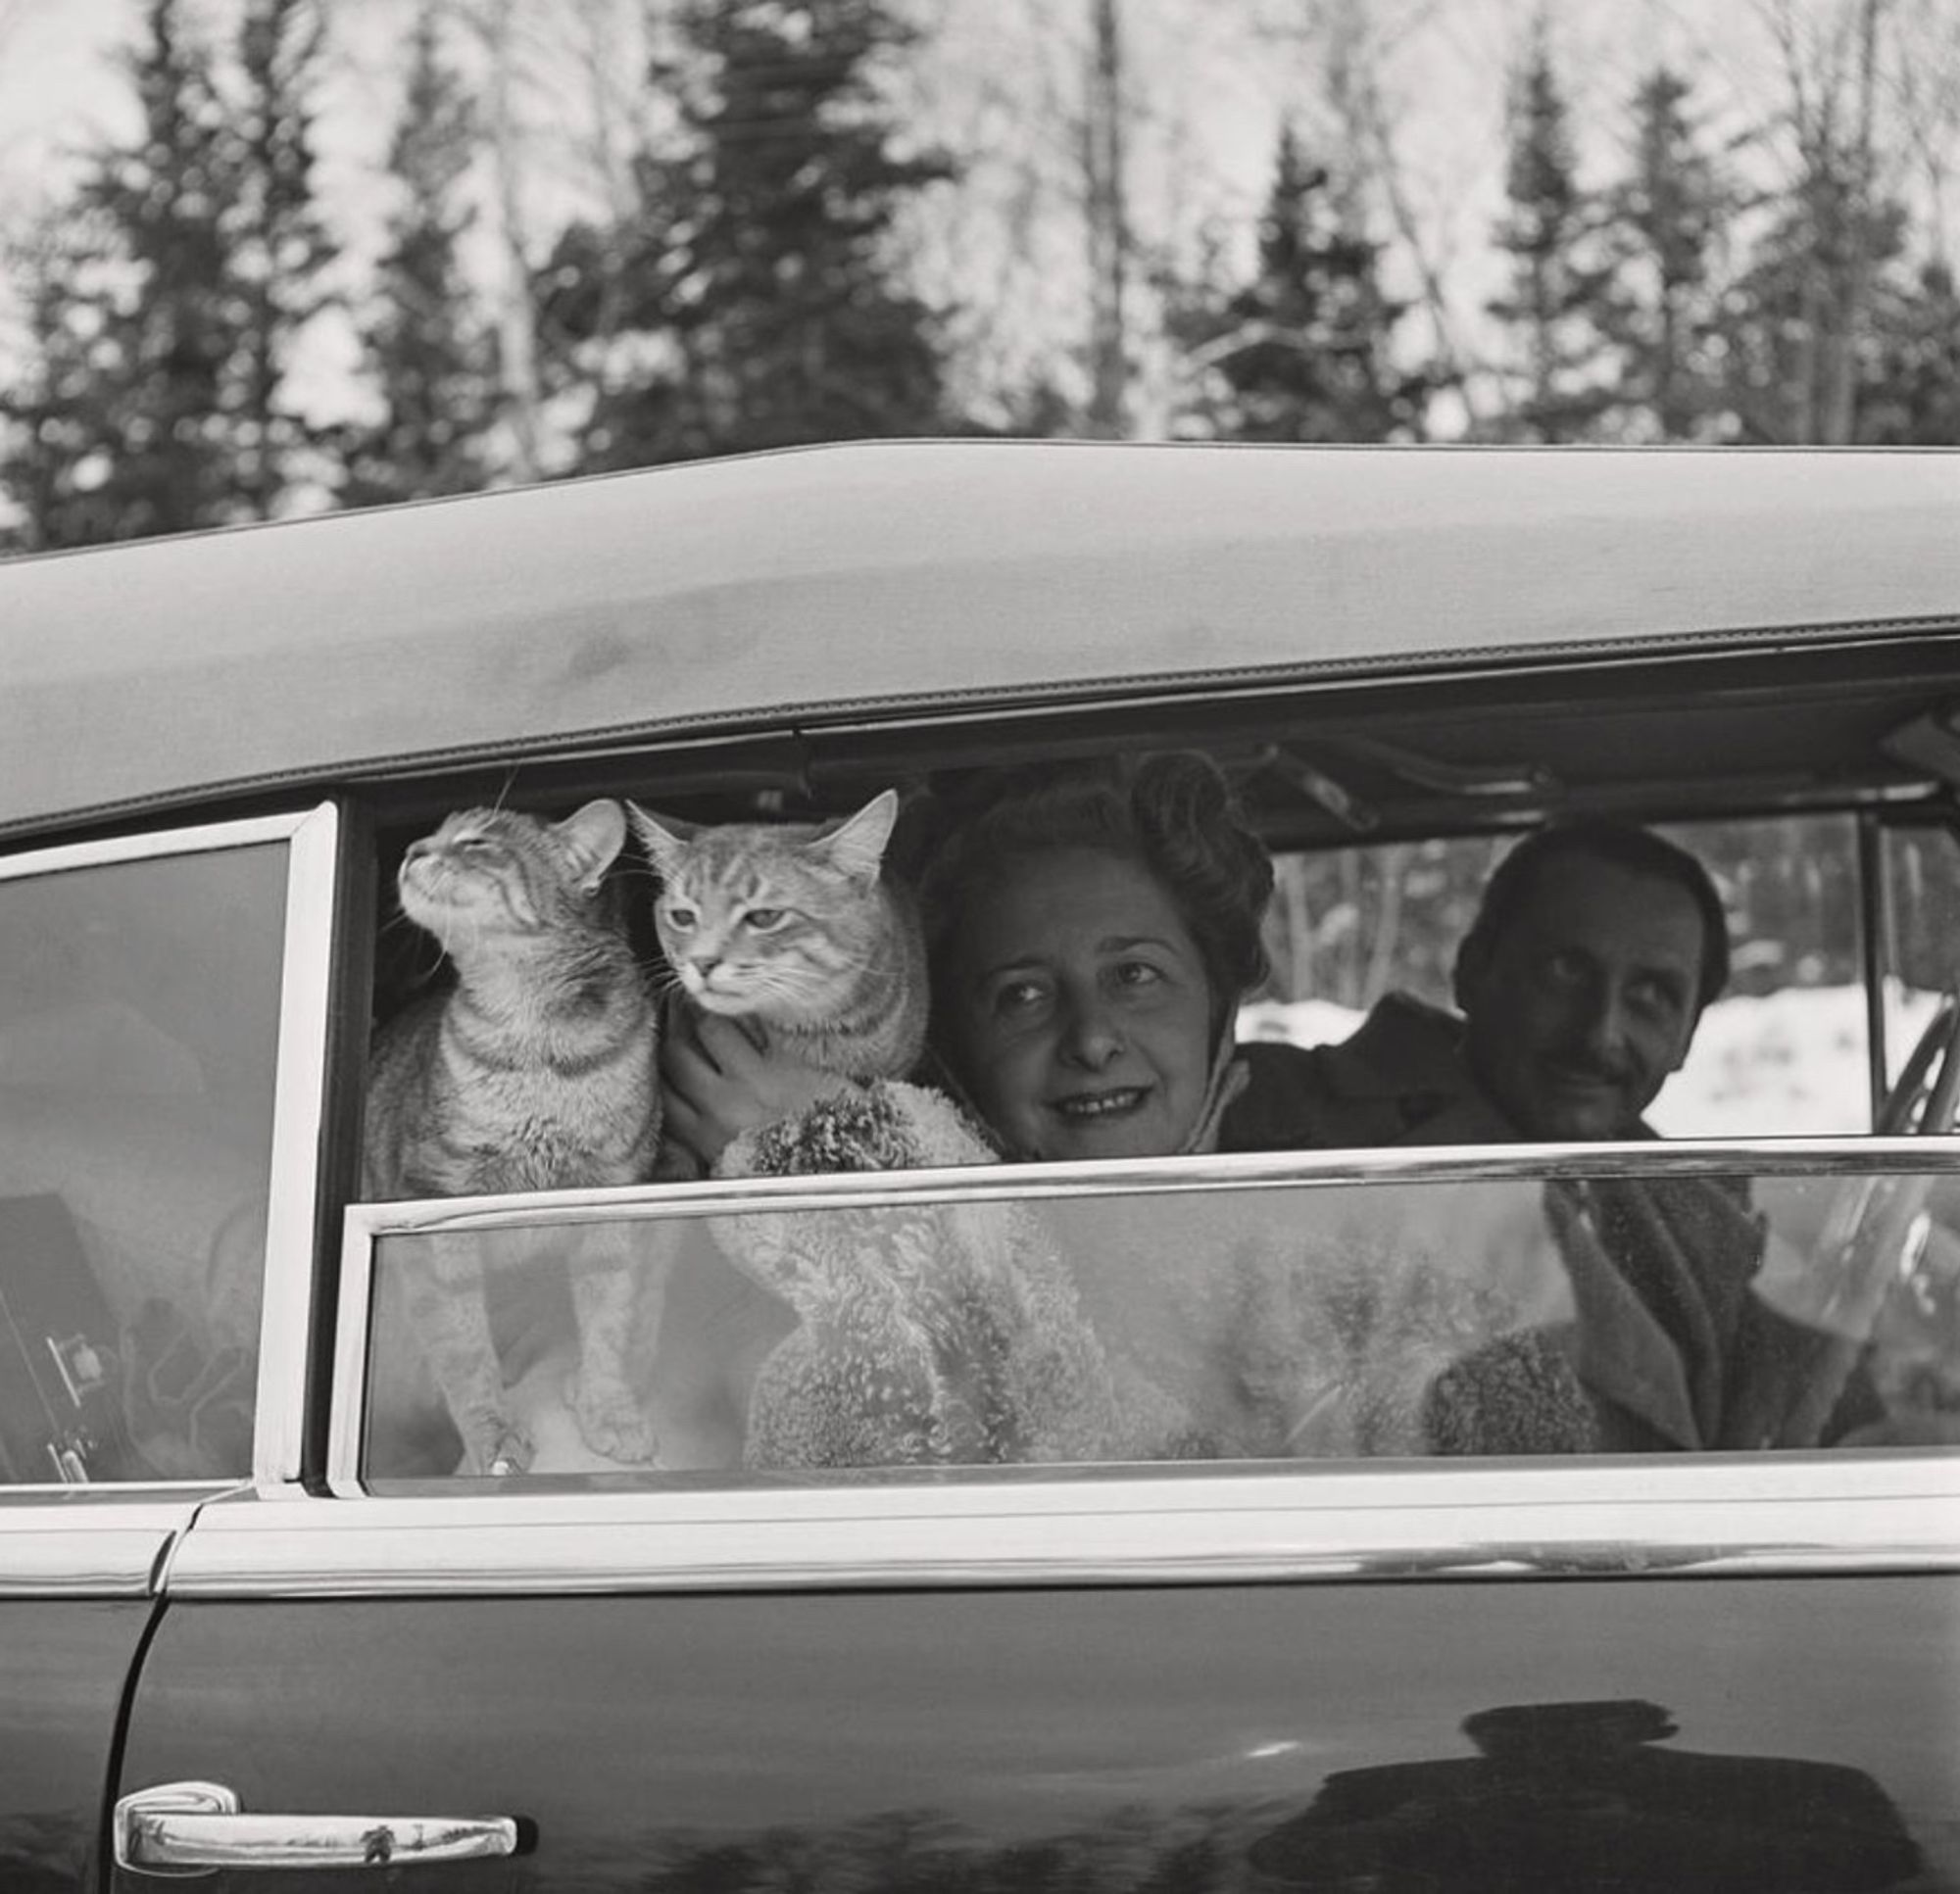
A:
(704, 963)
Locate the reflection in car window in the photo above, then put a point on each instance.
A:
(1393, 1319)
(138, 1028)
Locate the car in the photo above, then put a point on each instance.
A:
(261, 1624)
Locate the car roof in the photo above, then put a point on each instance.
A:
(835, 582)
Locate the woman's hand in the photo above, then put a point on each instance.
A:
(717, 1082)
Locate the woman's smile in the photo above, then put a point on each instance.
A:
(1082, 1009)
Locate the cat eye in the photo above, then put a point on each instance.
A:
(682, 918)
(766, 920)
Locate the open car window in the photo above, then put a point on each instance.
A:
(1325, 1293)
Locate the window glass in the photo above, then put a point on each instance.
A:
(1922, 866)
(1663, 1312)
(138, 1030)
(1780, 1054)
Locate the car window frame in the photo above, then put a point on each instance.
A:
(1785, 1512)
(112, 1539)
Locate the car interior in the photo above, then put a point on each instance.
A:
(1817, 785)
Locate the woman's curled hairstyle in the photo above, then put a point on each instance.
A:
(1173, 811)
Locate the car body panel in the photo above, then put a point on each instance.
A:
(1082, 1737)
(67, 1661)
(846, 580)
(1007, 1677)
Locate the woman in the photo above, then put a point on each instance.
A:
(1090, 928)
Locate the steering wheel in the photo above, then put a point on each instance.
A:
(1876, 1227)
(1926, 1096)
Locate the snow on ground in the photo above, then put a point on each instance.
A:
(1791, 1064)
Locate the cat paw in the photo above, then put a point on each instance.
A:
(505, 1451)
(614, 1426)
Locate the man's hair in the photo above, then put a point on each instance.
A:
(1621, 845)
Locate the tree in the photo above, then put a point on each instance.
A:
(1802, 317)
(162, 320)
(166, 326)
(1301, 352)
(430, 353)
(1911, 391)
(754, 286)
(1660, 312)
(277, 245)
(1556, 277)
(1799, 317)
(56, 453)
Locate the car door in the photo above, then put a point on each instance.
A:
(146, 1346)
(1729, 1671)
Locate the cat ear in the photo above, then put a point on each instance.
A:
(858, 845)
(664, 839)
(591, 838)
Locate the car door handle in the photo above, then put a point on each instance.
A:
(184, 1829)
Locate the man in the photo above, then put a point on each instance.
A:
(1581, 982)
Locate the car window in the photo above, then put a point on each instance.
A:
(1616, 1307)
(1921, 967)
(1781, 1052)
(139, 1008)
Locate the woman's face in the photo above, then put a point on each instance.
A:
(1079, 1010)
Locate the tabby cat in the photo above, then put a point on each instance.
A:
(790, 925)
(538, 1071)
(932, 1332)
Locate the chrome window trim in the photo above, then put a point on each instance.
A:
(1850, 1154)
(199, 839)
(92, 1542)
(299, 1108)
(311, 838)
(1729, 1515)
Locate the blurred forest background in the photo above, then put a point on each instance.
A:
(300, 255)
(573, 235)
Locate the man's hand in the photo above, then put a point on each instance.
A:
(717, 1082)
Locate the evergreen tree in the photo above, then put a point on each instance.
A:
(759, 299)
(1910, 392)
(163, 310)
(276, 242)
(1301, 352)
(1557, 279)
(1661, 311)
(54, 456)
(151, 403)
(432, 355)
(1804, 305)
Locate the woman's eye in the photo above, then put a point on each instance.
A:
(766, 920)
(1137, 972)
(1019, 996)
(682, 918)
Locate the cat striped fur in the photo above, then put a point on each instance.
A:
(789, 925)
(538, 1071)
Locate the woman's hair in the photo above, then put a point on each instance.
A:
(1171, 812)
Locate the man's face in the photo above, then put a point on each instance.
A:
(1586, 1000)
